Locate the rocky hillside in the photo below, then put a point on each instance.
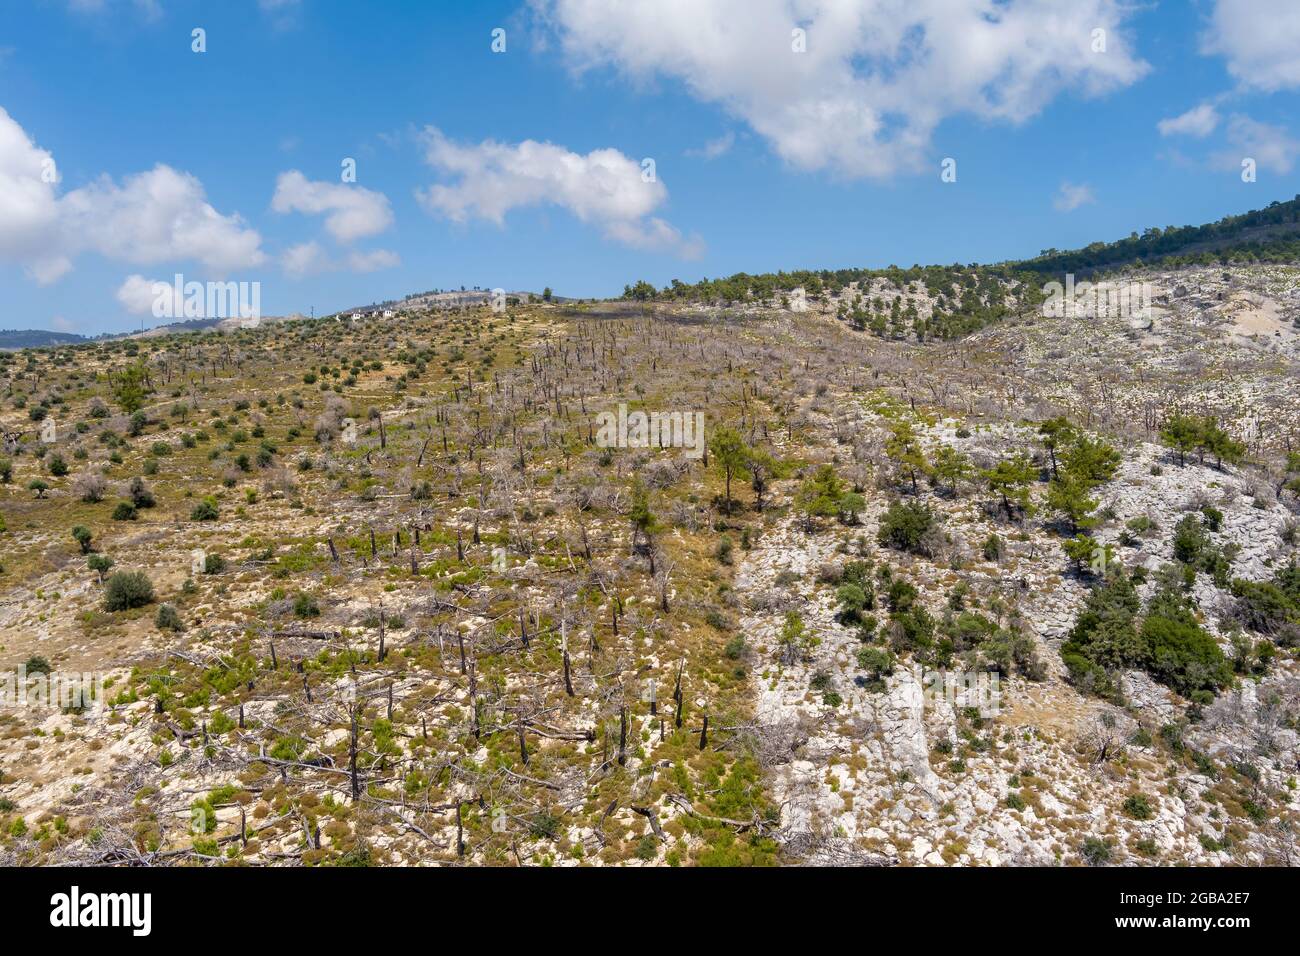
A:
(422, 591)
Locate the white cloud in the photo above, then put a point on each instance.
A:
(29, 209)
(603, 188)
(1071, 196)
(157, 216)
(877, 77)
(1272, 147)
(714, 148)
(1200, 121)
(311, 258)
(138, 295)
(304, 259)
(373, 261)
(48, 271)
(1260, 39)
(351, 212)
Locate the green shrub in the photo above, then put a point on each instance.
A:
(83, 537)
(305, 606)
(168, 619)
(99, 563)
(908, 526)
(1095, 851)
(128, 589)
(1179, 652)
(205, 510)
(1138, 807)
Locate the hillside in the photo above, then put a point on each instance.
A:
(407, 592)
(947, 302)
(35, 338)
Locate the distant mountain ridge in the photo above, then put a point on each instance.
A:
(36, 338)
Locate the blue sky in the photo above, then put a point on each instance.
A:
(765, 157)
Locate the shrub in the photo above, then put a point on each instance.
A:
(90, 487)
(83, 537)
(797, 642)
(908, 527)
(168, 619)
(125, 511)
(878, 663)
(1104, 637)
(205, 510)
(1179, 652)
(1271, 607)
(128, 589)
(140, 494)
(853, 601)
(305, 606)
(1095, 851)
(1190, 540)
(100, 564)
(1138, 807)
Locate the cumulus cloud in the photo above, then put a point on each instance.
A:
(350, 211)
(1259, 39)
(1272, 147)
(876, 78)
(29, 209)
(1200, 121)
(157, 216)
(603, 188)
(138, 295)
